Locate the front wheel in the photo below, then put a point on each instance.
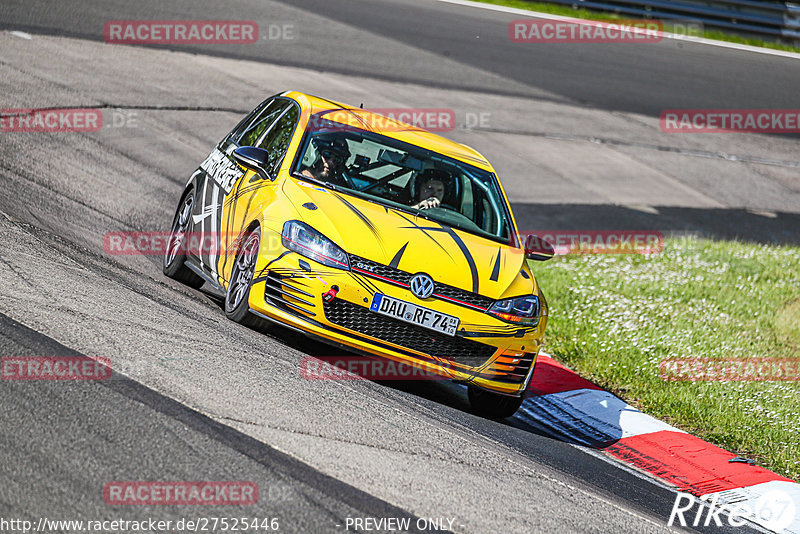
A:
(493, 405)
(237, 299)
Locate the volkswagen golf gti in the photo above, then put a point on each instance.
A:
(368, 233)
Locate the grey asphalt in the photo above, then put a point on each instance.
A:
(205, 384)
(391, 39)
(70, 439)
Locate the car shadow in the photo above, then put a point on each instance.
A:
(552, 416)
(544, 415)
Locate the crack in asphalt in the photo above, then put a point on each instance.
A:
(16, 272)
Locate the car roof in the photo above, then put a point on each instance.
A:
(375, 122)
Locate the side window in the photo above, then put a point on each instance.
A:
(237, 132)
(260, 123)
(277, 140)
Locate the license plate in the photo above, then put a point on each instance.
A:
(411, 313)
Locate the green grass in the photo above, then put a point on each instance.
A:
(613, 318)
(581, 13)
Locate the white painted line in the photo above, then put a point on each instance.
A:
(698, 40)
(22, 35)
(774, 505)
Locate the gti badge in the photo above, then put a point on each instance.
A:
(422, 285)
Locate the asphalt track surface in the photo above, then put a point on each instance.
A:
(372, 38)
(196, 397)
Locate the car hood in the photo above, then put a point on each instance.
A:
(411, 243)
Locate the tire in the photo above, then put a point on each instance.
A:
(237, 306)
(492, 405)
(174, 265)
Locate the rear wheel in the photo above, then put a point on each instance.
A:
(494, 405)
(237, 299)
(175, 256)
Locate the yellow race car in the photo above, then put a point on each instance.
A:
(369, 233)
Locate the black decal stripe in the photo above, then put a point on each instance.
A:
(365, 283)
(396, 260)
(232, 205)
(468, 255)
(217, 197)
(284, 253)
(364, 273)
(301, 273)
(423, 230)
(249, 189)
(360, 216)
(496, 270)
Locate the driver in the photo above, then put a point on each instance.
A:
(329, 165)
(431, 189)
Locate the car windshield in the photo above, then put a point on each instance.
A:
(405, 177)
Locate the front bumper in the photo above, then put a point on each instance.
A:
(485, 352)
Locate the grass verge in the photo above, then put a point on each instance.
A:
(582, 13)
(613, 318)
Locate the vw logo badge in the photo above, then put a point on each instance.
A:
(422, 285)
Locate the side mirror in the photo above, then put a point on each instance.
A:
(253, 158)
(538, 249)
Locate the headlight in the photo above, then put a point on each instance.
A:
(301, 238)
(517, 310)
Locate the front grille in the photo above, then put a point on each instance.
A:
(375, 268)
(360, 319)
(443, 291)
(451, 292)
